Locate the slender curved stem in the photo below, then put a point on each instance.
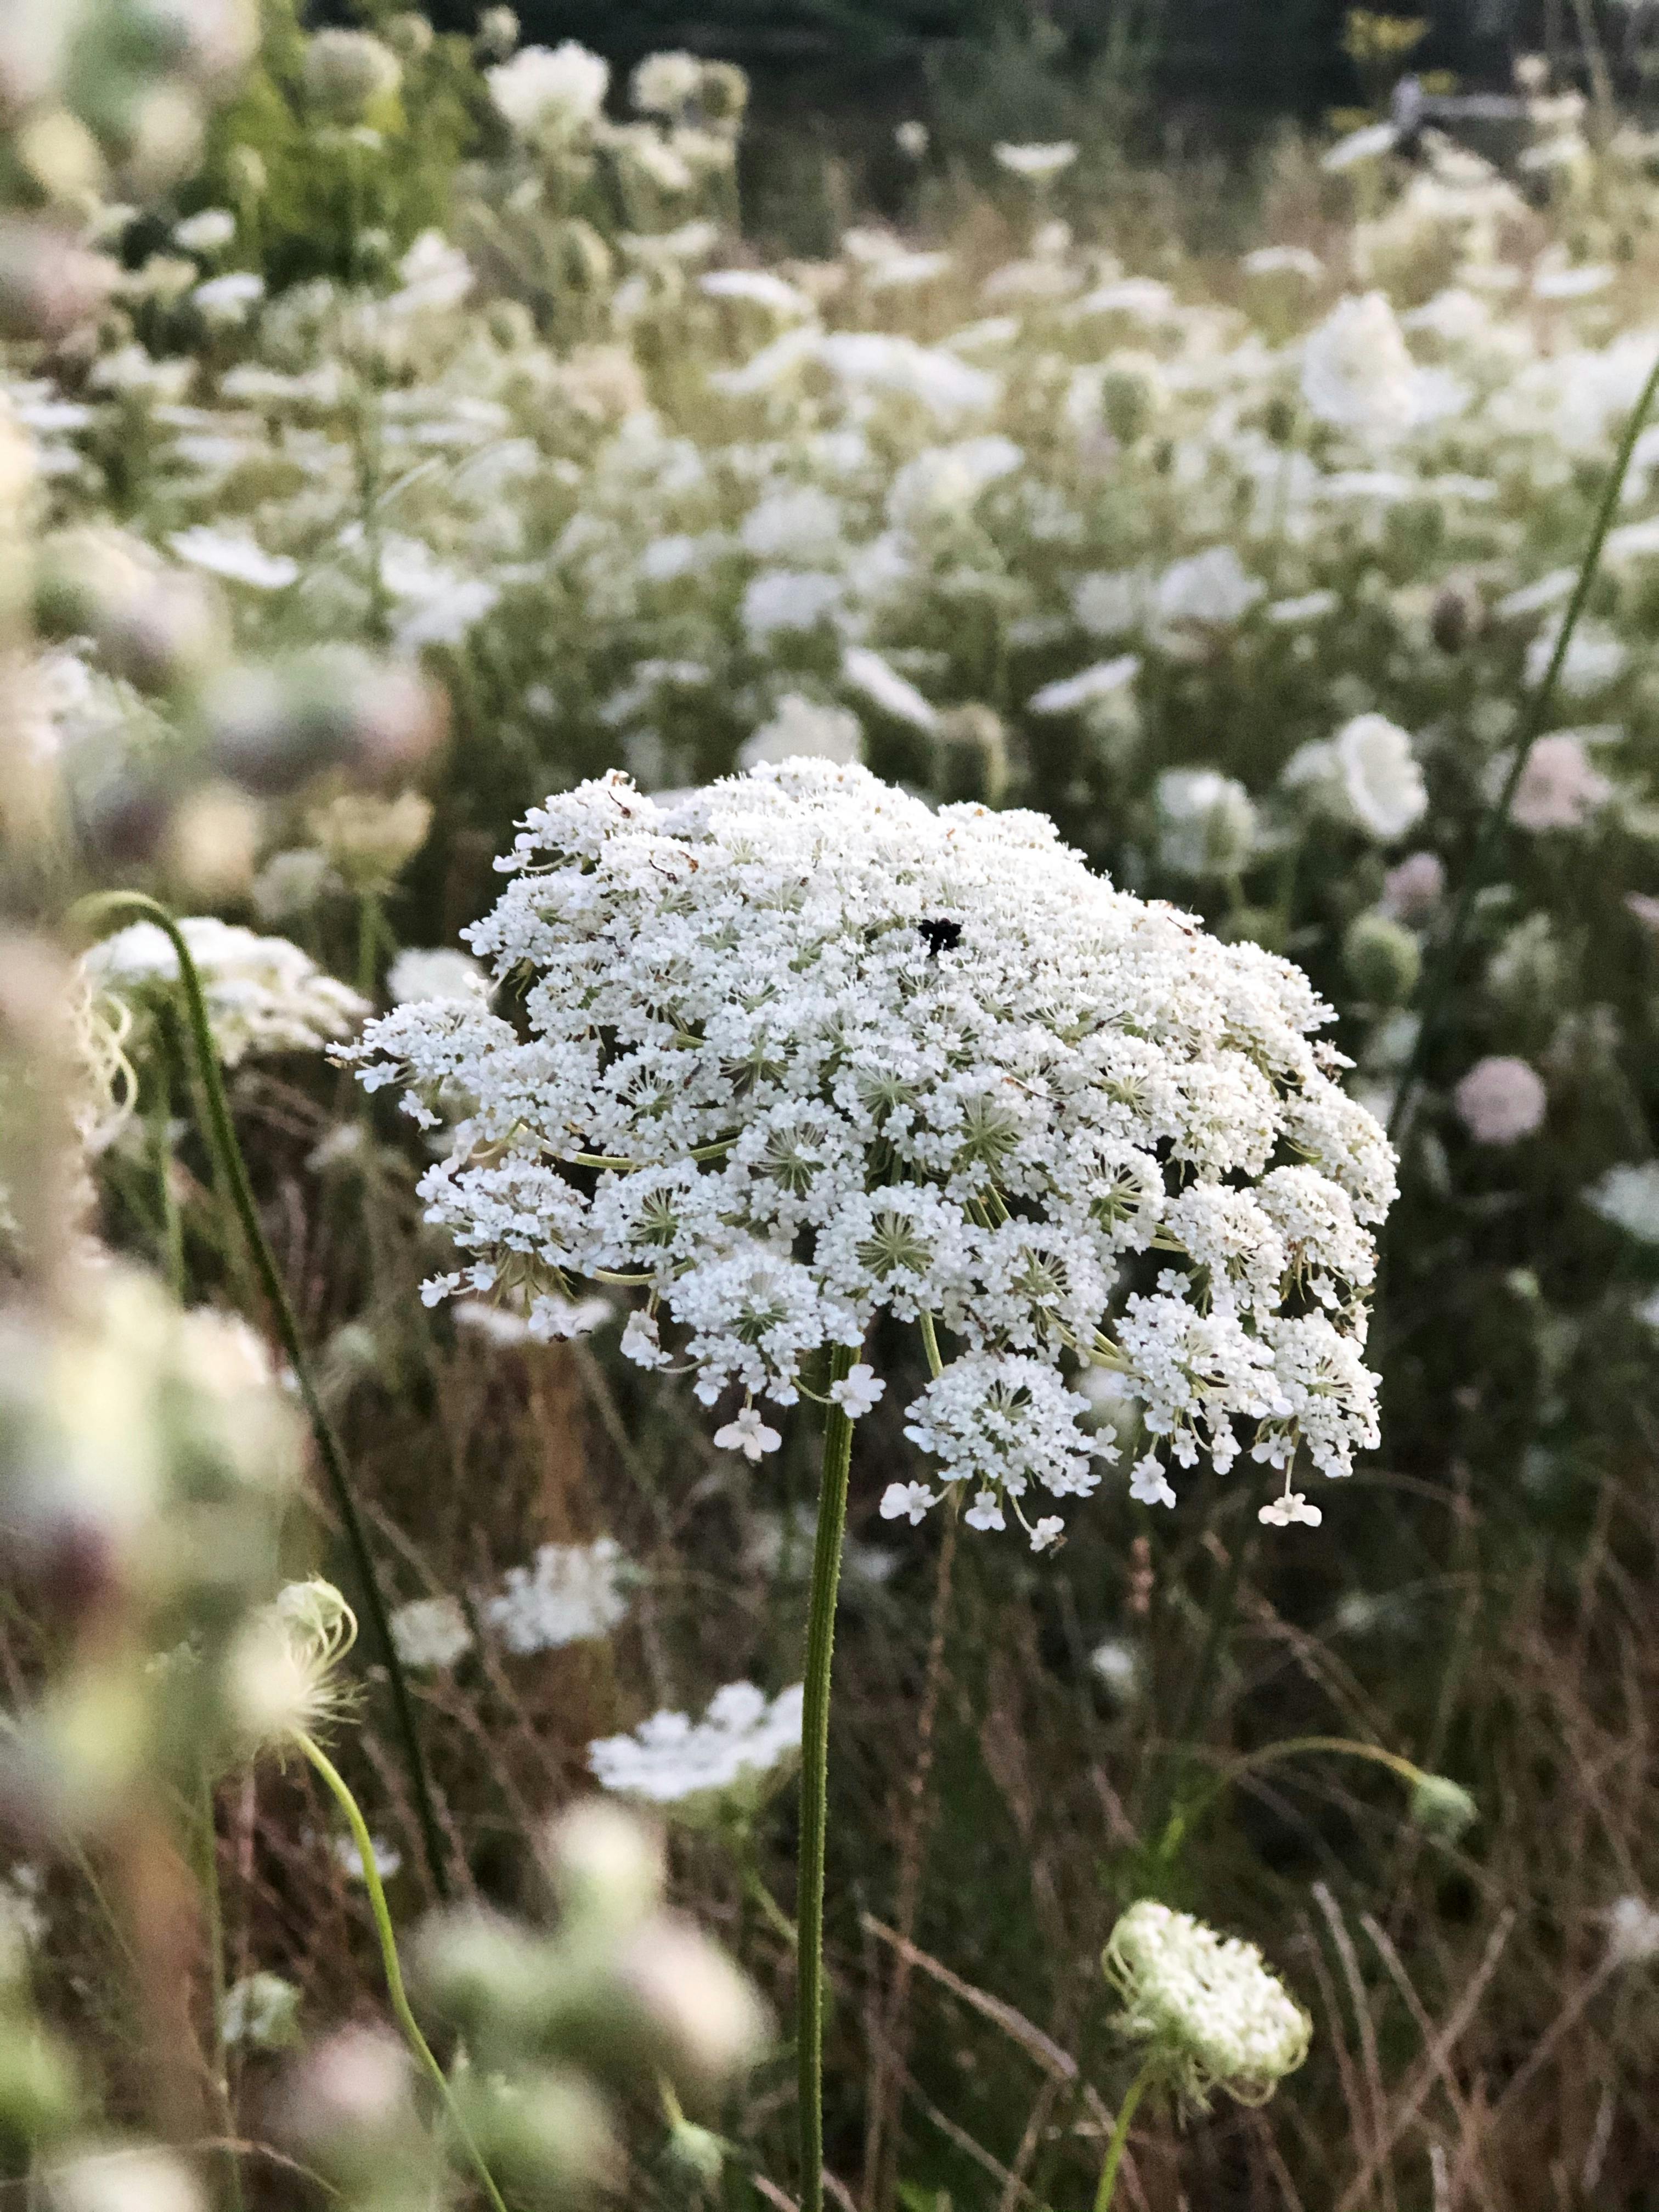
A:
(1438, 986)
(1347, 1747)
(394, 1977)
(1119, 2143)
(814, 1785)
(221, 1136)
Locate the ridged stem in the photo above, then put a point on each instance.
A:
(814, 1785)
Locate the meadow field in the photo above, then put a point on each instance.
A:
(827, 1095)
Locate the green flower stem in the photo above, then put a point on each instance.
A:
(394, 1979)
(1438, 989)
(1292, 1747)
(1119, 2143)
(227, 1154)
(161, 1140)
(930, 1346)
(214, 1907)
(814, 1785)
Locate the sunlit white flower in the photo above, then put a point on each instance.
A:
(1208, 589)
(388, 1859)
(206, 232)
(815, 1051)
(1358, 373)
(666, 83)
(867, 672)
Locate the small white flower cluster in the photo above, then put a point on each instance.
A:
(699, 1769)
(1205, 2005)
(262, 993)
(800, 1050)
(569, 1593)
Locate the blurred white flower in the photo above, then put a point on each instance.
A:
(1501, 1100)
(1037, 163)
(569, 1594)
(1559, 789)
(804, 728)
(431, 1632)
(1368, 773)
(440, 972)
(1628, 1196)
(235, 555)
(261, 2013)
(693, 1769)
(262, 993)
(550, 95)
(1632, 1932)
(1103, 681)
(1209, 589)
(1206, 825)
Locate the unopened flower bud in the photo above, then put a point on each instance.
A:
(409, 35)
(347, 73)
(497, 33)
(1383, 960)
(481, 1972)
(48, 282)
(350, 2105)
(546, 2136)
(1443, 1808)
(606, 1865)
(699, 2013)
(1458, 616)
(698, 2150)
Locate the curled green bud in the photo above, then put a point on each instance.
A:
(1383, 960)
(1443, 1808)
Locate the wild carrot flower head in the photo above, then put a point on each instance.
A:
(797, 1050)
(1204, 2005)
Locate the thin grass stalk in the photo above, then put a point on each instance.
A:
(386, 1935)
(1443, 974)
(227, 1154)
(814, 1785)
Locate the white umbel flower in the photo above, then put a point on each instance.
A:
(800, 1050)
(696, 1770)
(264, 995)
(1204, 2005)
